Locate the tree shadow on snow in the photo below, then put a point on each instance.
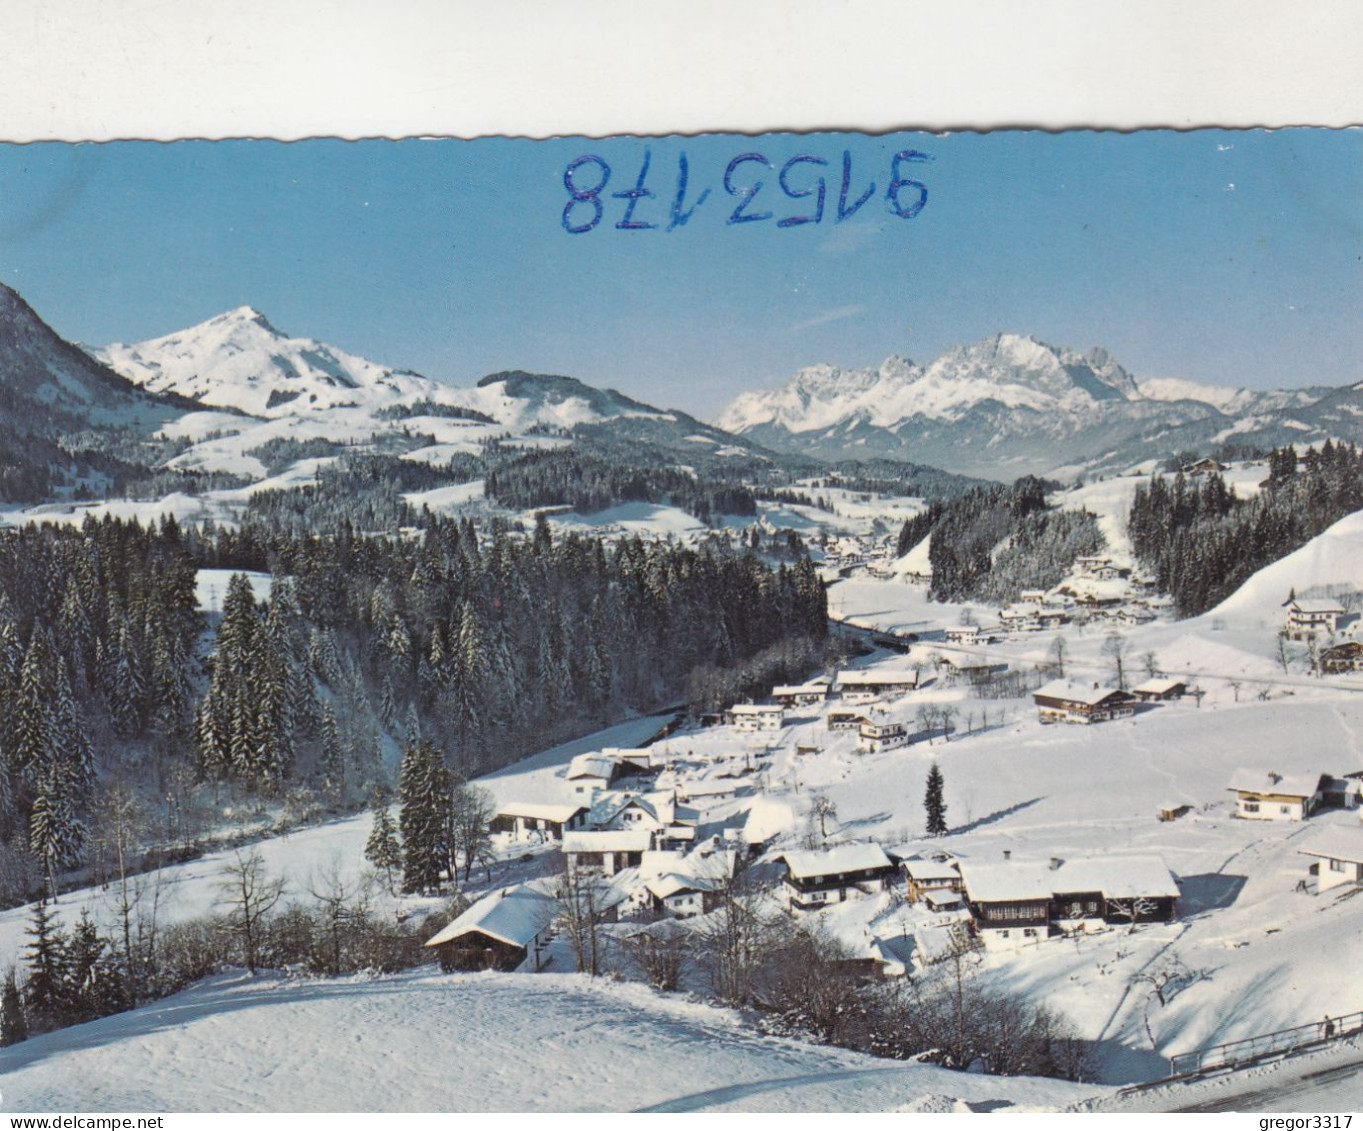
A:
(997, 815)
(1210, 891)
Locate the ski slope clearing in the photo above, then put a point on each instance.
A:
(429, 1042)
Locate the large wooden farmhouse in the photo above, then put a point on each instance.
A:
(1342, 658)
(801, 694)
(1014, 903)
(818, 877)
(862, 686)
(1073, 701)
(502, 931)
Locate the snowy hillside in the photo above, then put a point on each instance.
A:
(431, 1042)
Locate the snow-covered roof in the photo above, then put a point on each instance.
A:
(591, 766)
(756, 709)
(671, 884)
(940, 897)
(1117, 877)
(1159, 685)
(813, 687)
(531, 810)
(1268, 781)
(1337, 843)
(1009, 880)
(928, 871)
(877, 677)
(1075, 691)
(840, 859)
(515, 917)
(709, 787)
(1316, 605)
(608, 840)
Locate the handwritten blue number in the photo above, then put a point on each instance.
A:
(747, 193)
(843, 211)
(791, 221)
(680, 213)
(590, 196)
(638, 192)
(898, 183)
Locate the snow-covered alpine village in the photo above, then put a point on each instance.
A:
(972, 734)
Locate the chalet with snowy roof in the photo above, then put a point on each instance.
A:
(1204, 467)
(755, 717)
(1014, 903)
(931, 876)
(818, 877)
(1271, 796)
(1337, 853)
(1134, 615)
(507, 930)
(709, 790)
(967, 634)
(605, 852)
(1020, 618)
(588, 773)
(1089, 564)
(1052, 618)
(1159, 688)
(1074, 701)
(809, 694)
(1308, 618)
(866, 685)
(635, 761)
(970, 669)
(1032, 596)
(845, 720)
(875, 737)
(1342, 659)
(616, 811)
(528, 819)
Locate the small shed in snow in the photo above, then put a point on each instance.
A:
(502, 931)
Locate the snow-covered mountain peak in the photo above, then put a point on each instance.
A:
(239, 360)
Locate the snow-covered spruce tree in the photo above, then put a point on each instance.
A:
(382, 849)
(13, 1018)
(46, 958)
(424, 793)
(934, 804)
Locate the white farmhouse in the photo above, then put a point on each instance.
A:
(755, 717)
(1338, 853)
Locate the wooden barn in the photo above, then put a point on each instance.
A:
(502, 931)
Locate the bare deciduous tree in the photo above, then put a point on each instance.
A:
(249, 894)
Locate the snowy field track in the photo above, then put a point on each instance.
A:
(430, 1042)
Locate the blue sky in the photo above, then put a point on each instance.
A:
(1225, 257)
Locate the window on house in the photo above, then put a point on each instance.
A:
(1338, 866)
(1029, 933)
(1284, 809)
(1251, 806)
